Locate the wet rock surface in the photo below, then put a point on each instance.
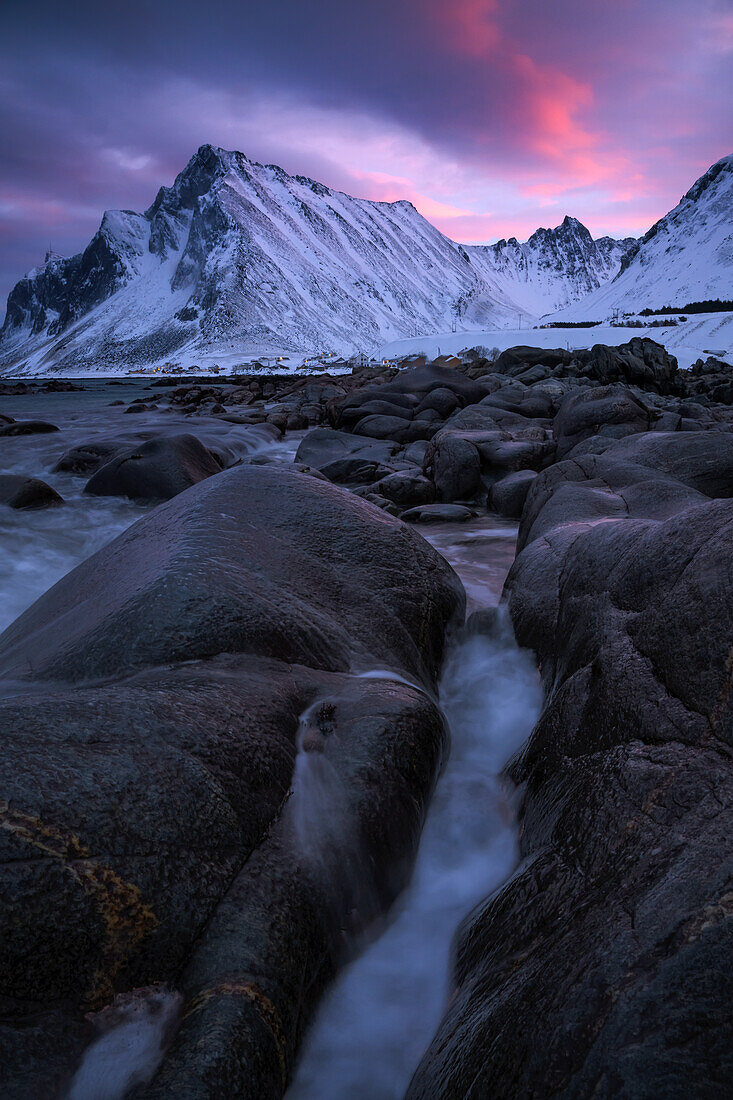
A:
(27, 492)
(159, 824)
(477, 423)
(157, 469)
(26, 427)
(597, 970)
(600, 968)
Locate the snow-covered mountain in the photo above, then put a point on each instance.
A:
(239, 258)
(555, 266)
(687, 256)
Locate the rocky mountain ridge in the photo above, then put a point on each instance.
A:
(687, 256)
(239, 256)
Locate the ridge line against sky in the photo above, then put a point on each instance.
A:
(492, 116)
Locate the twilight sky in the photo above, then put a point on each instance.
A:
(492, 116)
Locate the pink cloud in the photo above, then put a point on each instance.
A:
(469, 25)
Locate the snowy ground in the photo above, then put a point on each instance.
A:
(701, 335)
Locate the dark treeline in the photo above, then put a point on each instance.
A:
(571, 324)
(710, 305)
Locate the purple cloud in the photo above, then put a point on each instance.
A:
(492, 116)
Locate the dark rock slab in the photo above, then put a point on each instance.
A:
(177, 698)
(602, 968)
(607, 410)
(454, 465)
(507, 496)
(325, 445)
(406, 488)
(86, 457)
(437, 513)
(27, 427)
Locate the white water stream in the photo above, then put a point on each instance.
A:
(383, 1011)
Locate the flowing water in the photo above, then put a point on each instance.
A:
(382, 1012)
(133, 1034)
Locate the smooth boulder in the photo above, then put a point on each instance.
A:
(21, 492)
(601, 968)
(184, 693)
(508, 494)
(27, 427)
(155, 470)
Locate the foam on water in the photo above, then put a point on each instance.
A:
(326, 829)
(38, 547)
(134, 1034)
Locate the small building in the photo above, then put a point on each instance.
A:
(412, 361)
(450, 361)
(359, 359)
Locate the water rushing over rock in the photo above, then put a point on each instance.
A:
(384, 1010)
(133, 1035)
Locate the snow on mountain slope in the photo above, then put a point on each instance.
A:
(555, 266)
(687, 256)
(240, 258)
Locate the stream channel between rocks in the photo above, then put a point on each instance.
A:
(383, 1010)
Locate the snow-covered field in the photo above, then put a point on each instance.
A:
(699, 336)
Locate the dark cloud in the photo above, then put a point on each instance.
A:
(492, 115)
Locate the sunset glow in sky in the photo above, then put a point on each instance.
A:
(492, 116)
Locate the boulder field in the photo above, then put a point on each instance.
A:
(477, 437)
(602, 968)
(200, 787)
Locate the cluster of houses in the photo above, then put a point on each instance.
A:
(327, 362)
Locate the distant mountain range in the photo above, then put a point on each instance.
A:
(241, 258)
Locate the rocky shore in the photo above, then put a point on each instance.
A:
(203, 788)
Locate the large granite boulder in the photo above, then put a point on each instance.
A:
(508, 494)
(199, 785)
(515, 360)
(642, 362)
(454, 465)
(611, 411)
(26, 427)
(84, 458)
(602, 967)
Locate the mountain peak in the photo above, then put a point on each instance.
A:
(685, 257)
(283, 262)
(707, 179)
